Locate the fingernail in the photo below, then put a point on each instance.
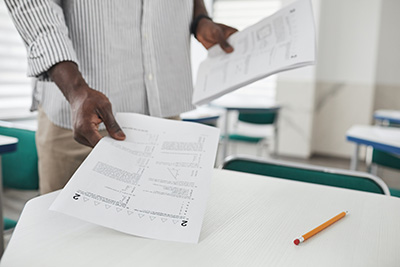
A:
(120, 134)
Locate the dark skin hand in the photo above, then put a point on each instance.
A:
(89, 107)
(210, 33)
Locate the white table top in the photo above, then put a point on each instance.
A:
(7, 144)
(7, 140)
(387, 114)
(202, 112)
(243, 101)
(250, 221)
(383, 138)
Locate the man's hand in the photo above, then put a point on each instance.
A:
(210, 33)
(89, 107)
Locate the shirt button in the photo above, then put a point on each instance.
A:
(150, 77)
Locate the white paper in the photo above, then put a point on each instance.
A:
(283, 41)
(154, 184)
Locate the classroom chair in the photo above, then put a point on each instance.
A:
(384, 159)
(256, 118)
(20, 168)
(307, 173)
(381, 158)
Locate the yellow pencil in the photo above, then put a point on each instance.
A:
(304, 237)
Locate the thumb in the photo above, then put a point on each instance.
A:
(112, 126)
(225, 45)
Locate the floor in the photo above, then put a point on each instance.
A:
(14, 200)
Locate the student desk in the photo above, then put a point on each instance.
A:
(7, 144)
(206, 115)
(242, 103)
(250, 220)
(382, 138)
(385, 116)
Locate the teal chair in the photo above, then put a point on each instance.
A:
(307, 173)
(257, 118)
(384, 159)
(20, 168)
(381, 158)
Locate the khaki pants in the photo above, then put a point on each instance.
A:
(59, 154)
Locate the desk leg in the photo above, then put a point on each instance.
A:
(226, 136)
(354, 158)
(1, 213)
(275, 154)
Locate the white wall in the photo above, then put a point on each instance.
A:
(296, 93)
(346, 71)
(357, 72)
(387, 93)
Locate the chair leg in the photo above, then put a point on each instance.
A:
(373, 169)
(354, 158)
(261, 145)
(259, 149)
(1, 214)
(368, 156)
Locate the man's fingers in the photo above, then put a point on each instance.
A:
(223, 34)
(111, 124)
(225, 45)
(89, 136)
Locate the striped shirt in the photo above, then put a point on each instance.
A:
(136, 52)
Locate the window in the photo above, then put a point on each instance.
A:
(15, 86)
(241, 14)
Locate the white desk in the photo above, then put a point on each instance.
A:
(203, 114)
(250, 221)
(382, 138)
(386, 116)
(7, 144)
(244, 103)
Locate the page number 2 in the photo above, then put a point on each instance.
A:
(76, 197)
(184, 223)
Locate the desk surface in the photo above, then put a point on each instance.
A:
(245, 102)
(392, 116)
(250, 221)
(7, 144)
(202, 113)
(382, 138)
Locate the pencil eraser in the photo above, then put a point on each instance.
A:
(296, 242)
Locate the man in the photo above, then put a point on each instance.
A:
(91, 58)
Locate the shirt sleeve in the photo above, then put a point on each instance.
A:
(42, 26)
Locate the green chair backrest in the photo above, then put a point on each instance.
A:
(305, 173)
(20, 168)
(9, 223)
(258, 117)
(386, 159)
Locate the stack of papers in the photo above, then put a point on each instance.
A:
(283, 41)
(154, 184)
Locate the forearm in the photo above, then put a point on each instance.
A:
(199, 8)
(69, 79)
